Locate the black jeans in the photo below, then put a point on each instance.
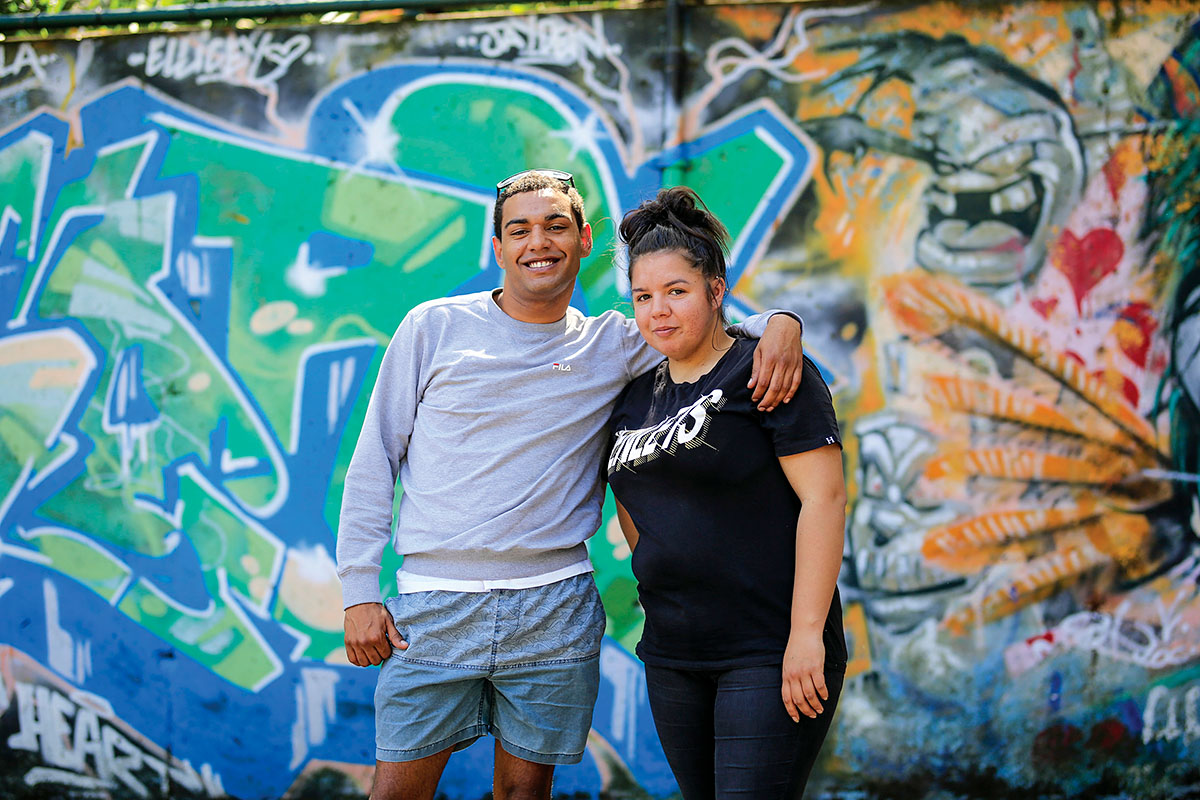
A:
(726, 733)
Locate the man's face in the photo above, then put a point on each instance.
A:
(540, 247)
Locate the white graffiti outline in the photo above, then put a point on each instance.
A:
(57, 435)
(788, 199)
(1171, 731)
(43, 710)
(233, 58)
(37, 284)
(510, 35)
(622, 96)
(239, 609)
(774, 60)
(39, 775)
(302, 369)
(1146, 644)
(27, 58)
(303, 640)
(79, 538)
(21, 86)
(380, 139)
(221, 498)
(8, 219)
(39, 202)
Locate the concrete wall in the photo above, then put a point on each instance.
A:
(987, 216)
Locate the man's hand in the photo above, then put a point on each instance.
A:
(804, 675)
(778, 363)
(371, 634)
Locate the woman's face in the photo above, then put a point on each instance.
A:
(675, 307)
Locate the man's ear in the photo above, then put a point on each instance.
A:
(585, 236)
(496, 250)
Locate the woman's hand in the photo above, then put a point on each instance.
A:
(804, 675)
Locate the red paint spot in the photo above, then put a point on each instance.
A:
(1131, 393)
(1087, 261)
(1120, 384)
(1076, 68)
(1057, 744)
(1134, 328)
(1013, 244)
(1114, 176)
(1048, 636)
(1044, 307)
(1075, 356)
(1107, 735)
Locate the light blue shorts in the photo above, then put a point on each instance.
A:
(520, 664)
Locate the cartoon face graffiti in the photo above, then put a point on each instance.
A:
(1007, 169)
(1007, 165)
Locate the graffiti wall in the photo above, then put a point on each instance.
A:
(988, 218)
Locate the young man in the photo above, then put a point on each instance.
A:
(491, 410)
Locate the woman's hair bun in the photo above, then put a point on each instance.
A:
(676, 207)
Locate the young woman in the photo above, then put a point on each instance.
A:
(735, 518)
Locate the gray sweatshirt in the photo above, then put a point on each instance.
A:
(494, 428)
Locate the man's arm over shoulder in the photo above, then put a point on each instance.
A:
(778, 358)
(755, 326)
(365, 524)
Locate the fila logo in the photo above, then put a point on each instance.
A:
(562, 367)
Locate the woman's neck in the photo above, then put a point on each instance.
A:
(703, 359)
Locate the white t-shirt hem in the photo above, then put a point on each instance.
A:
(407, 583)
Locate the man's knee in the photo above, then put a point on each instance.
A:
(409, 780)
(525, 793)
(527, 787)
(518, 779)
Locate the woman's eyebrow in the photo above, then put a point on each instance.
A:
(668, 283)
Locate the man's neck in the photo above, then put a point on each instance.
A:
(540, 313)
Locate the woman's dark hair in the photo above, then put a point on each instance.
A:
(677, 220)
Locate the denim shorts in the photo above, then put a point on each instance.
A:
(520, 664)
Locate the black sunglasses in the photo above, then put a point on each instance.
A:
(556, 174)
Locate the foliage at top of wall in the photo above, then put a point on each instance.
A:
(140, 16)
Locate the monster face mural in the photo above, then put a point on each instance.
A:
(987, 218)
(1006, 163)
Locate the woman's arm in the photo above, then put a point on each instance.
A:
(816, 477)
(627, 527)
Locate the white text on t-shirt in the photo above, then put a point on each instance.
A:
(686, 427)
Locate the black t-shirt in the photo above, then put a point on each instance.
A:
(696, 466)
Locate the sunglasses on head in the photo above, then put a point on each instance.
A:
(557, 174)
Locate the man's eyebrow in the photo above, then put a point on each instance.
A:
(553, 215)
